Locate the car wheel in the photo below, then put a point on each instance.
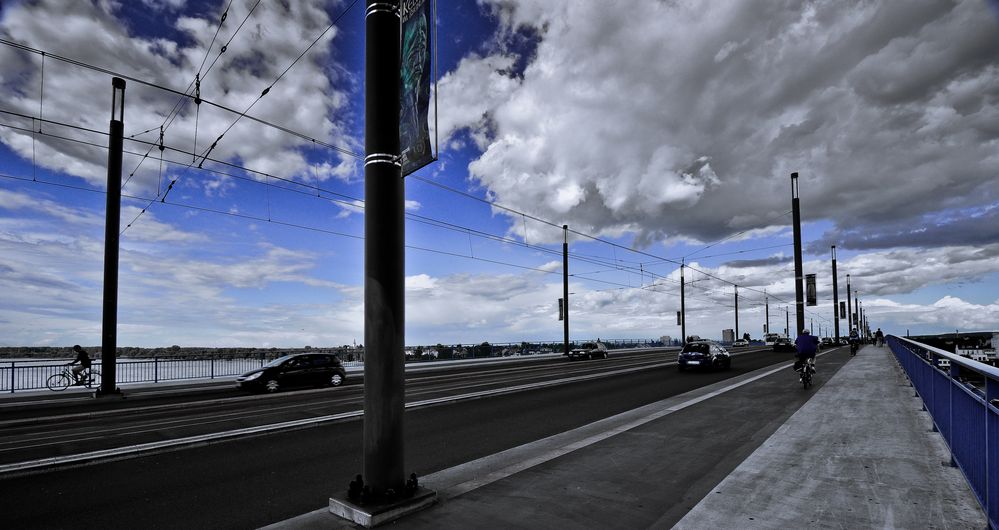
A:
(336, 380)
(272, 386)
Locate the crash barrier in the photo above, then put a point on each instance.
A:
(963, 401)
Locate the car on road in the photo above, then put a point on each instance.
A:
(784, 344)
(703, 354)
(299, 370)
(588, 350)
(826, 342)
(740, 342)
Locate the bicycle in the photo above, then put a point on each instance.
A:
(64, 379)
(806, 370)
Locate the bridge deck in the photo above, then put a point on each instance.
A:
(855, 453)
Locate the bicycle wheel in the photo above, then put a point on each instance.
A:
(94, 380)
(58, 382)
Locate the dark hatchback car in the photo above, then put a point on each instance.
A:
(784, 344)
(703, 354)
(304, 369)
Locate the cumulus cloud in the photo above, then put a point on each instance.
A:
(308, 98)
(683, 120)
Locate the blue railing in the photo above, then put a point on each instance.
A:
(963, 401)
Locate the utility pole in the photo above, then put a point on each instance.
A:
(737, 312)
(787, 322)
(766, 305)
(683, 309)
(849, 316)
(112, 226)
(856, 312)
(384, 254)
(811, 326)
(835, 295)
(565, 289)
(799, 295)
(383, 486)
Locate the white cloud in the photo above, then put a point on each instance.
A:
(683, 120)
(306, 99)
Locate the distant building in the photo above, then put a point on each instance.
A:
(728, 335)
(666, 339)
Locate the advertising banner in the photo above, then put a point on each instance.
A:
(560, 309)
(810, 298)
(415, 80)
(678, 318)
(842, 310)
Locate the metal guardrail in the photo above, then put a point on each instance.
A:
(31, 375)
(963, 401)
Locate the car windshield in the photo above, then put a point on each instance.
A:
(277, 362)
(695, 348)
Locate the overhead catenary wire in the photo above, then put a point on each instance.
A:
(615, 245)
(219, 106)
(267, 90)
(196, 82)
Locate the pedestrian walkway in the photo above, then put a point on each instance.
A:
(860, 454)
(855, 453)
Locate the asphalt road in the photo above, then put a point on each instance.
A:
(257, 480)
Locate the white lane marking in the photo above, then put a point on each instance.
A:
(471, 374)
(257, 412)
(205, 439)
(469, 485)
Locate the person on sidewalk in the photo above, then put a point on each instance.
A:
(83, 358)
(806, 346)
(879, 336)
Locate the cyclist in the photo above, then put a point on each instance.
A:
(806, 346)
(83, 358)
(854, 341)
(880, 337)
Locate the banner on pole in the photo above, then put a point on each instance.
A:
(678, 322)
(560, 309)
(810, 290)
(415, 81)
(842, 310)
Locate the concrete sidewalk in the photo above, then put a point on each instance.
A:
(856, 453)
(860, 454)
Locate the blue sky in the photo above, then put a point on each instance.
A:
(664, 129)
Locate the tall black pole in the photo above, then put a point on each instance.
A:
(683, 309)
(565, 289)
(856, 311)
(384, 268)
(799, 293)
(766, 305)
(787, 322)
(849, 315)
(112, 225)
(835, 295)
(737, 312)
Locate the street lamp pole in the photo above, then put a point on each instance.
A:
(835, 295)
(799, 294)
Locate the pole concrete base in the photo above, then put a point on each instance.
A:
(99, 393)
(377, 514)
